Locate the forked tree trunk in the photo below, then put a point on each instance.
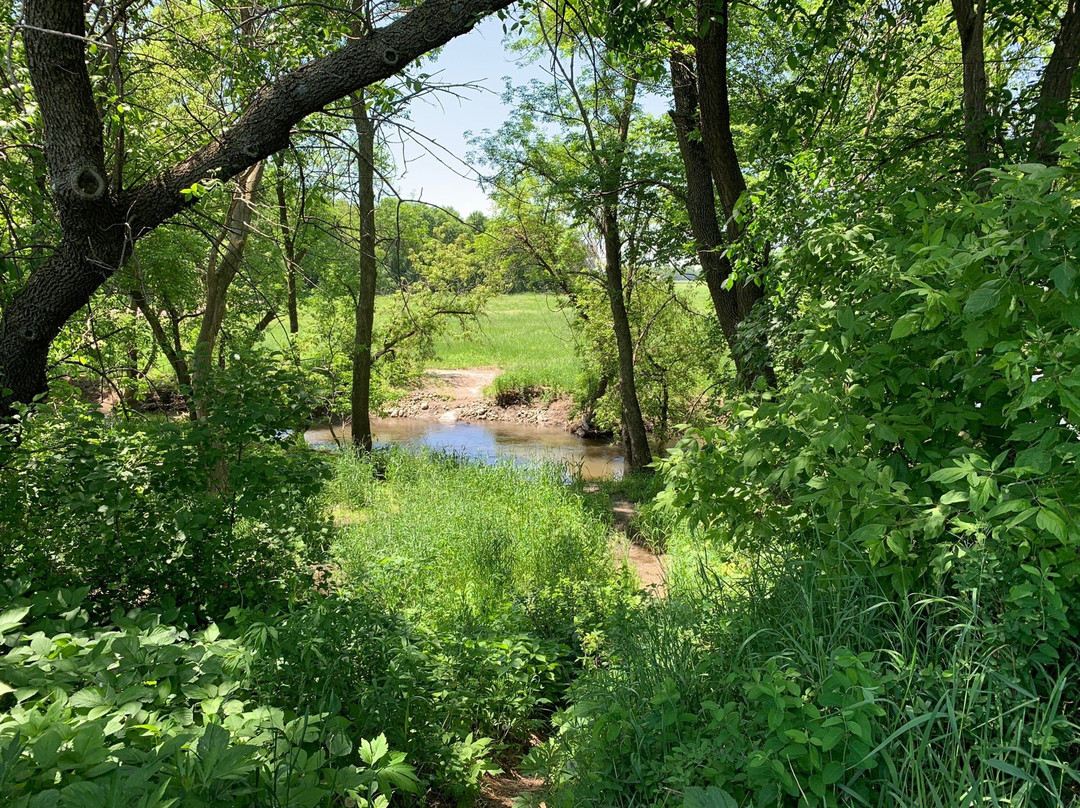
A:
(1055, 94)
(288, 245)
(701, 201)
(360, 398)
(753, 360)
(225, 258)
(170, 347)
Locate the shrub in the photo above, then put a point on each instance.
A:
(206, 515)
(142, 712)
(933, 426)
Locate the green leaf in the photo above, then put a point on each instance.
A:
(711, 797)
(832, 772)
(983, 299)
(12, 619)
(1062, 275)
(1052, 523)
(46, 749)
(904, 326)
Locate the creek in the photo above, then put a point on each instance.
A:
(490, 442)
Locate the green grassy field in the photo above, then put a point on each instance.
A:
(525, 335)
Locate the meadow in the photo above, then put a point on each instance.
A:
(526, 335)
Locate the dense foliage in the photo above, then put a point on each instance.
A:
(839, 278)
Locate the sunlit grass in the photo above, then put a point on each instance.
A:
(527, 335)
(449, 537)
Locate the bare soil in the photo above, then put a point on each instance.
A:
(648, 565)
(458, 395)
(503, 790)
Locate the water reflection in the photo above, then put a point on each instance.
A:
(595, 460)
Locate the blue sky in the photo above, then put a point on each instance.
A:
(442, 177)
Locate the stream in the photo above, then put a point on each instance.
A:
(491, 442)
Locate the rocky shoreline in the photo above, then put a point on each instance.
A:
(458, 395)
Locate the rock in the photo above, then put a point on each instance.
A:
(424, 405)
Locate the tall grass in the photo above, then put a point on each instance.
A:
(453, 539)
(789, 686)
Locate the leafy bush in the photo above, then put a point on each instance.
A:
(934, 426)
(141, 712)
(878, 599)
(208, 514)
(450, 703)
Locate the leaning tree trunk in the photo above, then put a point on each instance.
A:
(1052, 107)
(171, 348)
(360, 398)
(93, 242)
(100, 228)
(225, 259)
(970, 16)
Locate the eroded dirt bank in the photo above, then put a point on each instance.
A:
(458, 395)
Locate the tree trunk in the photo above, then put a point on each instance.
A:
(1052, 107)
(360, 398)
(93, 242)
(970, 16)
(752, 361)
(288, 244)
(100, 229)
(639, 454)
(225, 259)
(701, 201)
(172, 353)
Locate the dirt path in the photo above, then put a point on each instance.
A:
(648, 566)
(458, 395)
(503, 790)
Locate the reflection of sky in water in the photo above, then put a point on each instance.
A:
(491, 442)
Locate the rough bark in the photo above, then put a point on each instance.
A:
(93, 241)
(701, 200)
(1052, 108)
(225, 259)
(718, 143)
(288, 245)
(970, 16)
(99, 227)
(360, 397)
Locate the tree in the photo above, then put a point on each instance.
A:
(592, 103)
(100, 227)
(360, 400)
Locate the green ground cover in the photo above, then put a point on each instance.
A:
(308, 629)
(527, 336)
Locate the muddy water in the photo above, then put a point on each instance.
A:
(490, 442)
